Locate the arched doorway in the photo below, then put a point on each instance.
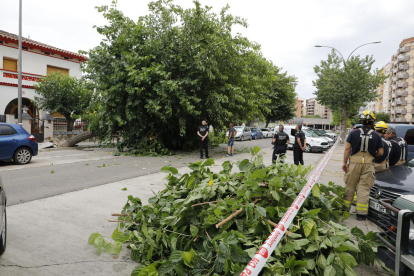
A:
(12, 108)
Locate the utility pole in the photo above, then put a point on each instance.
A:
(19, 100)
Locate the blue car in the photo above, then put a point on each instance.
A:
(256, 133)
(16, 144)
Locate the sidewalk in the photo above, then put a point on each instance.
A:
(49, 236)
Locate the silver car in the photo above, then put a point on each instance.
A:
(3, 219)
(243, 133)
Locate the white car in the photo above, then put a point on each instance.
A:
(266, 133)
(313, 142)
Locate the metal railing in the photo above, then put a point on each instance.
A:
(78, 126)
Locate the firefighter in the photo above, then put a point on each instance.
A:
(399, 148)
(280, 140)
(382, 162)
(364, 145)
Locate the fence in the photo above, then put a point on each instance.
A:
(78, 126)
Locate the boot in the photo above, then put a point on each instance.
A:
(361, 217)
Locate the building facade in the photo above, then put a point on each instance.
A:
(402, 86)
(314, 108)
(38, 60)
(299, 107)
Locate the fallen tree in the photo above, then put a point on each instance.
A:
(76, 139)
(206, 223)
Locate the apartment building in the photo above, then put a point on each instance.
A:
(315, 108)
(299, 105)
(402, 86)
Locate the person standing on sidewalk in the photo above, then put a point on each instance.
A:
(299, 146)
(230, 142)
(382, 162)
(364, 145)
(280, 142)
(202, 133)
(399, 148)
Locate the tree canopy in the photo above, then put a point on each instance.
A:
(381, 116)
(352, 85)
(64, 94)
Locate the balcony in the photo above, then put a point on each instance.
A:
(403, 58)
(401, 111)
(412, 111)
(404, 49)
(393, 103)
(395, 86)
(395, 78)
(394, 95)
(402, 93)
(395, 70)
(392, 111)
(400, 120)
(402, 75)
(392, 58)
(412, 120)
(403, 67)
(402, 84)
(401, 102)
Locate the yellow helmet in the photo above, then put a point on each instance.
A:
(381, 127)
(367, 115)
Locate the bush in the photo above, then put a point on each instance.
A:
(216, 138)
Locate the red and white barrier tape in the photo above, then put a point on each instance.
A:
(259, 260)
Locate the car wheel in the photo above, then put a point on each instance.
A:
(22, 156)
(242, 139)
(308, 148)
(3, 232)
(251, 137)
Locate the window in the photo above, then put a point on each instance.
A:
(409, 136)
(9, 64)
(52, 69)
(7, 130)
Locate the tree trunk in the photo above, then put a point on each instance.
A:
(343, 124)
(267, 123)
(77, 139)
(69, 123)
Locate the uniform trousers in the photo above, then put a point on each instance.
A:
(278, 150)
(297, 155)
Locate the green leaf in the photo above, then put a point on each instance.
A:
(124, 189)
(276, 181)
(193, 230)
(176, 256)
(275, 195)
(352, 246)
(260, 173)
(312, 212)
(208, 162)
(347, 259)
(256, 149)
(321, 262)
(288, 247)
(329, 271)
(308, 225)
(300, 243)
(358, 233)
(166, 268)
(312, 248)
(244, 165)
(261, 211)
(93, 236)
(316, 192)
(289, 263)
(150, 270)
(188, 258)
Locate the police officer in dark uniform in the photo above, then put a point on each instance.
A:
(364, 145)
(299, 146)
(280, 140)
(202, 133)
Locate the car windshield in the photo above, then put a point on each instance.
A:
(238, 128)
(265, 129)
(253, 129)
(310, 134)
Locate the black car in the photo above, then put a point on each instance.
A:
(3, 219)
(390, 184)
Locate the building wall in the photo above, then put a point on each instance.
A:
(34, 66)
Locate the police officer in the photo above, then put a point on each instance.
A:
(299, 146)
(399, 148)
(382, 162)
(280, 140)
(364, 145)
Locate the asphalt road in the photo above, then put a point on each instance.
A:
(58, 172)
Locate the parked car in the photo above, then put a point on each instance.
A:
(3, 218)
(323, 136)
(327, 133)
(266, 132)
(390, 184)
(256, 133)
(313, 142)
(16, 144)
(243, 133)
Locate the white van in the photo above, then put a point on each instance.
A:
(314, 143)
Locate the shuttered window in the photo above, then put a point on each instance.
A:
(51, 69)
(9, 64)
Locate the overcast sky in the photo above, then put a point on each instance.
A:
(287, 30)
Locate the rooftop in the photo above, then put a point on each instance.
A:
(32, 44)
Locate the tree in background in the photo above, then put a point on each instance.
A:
(381, 116)
(64, 94)
(160, 76)
(341, 88)
(282, 98)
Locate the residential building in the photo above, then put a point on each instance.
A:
(299, 107)
(38, 59)
(314, 108)
(383, 102)
(402, 87)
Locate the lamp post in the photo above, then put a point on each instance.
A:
(19, 68)
(342, 135)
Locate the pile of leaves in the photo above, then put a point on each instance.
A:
(176, 233)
